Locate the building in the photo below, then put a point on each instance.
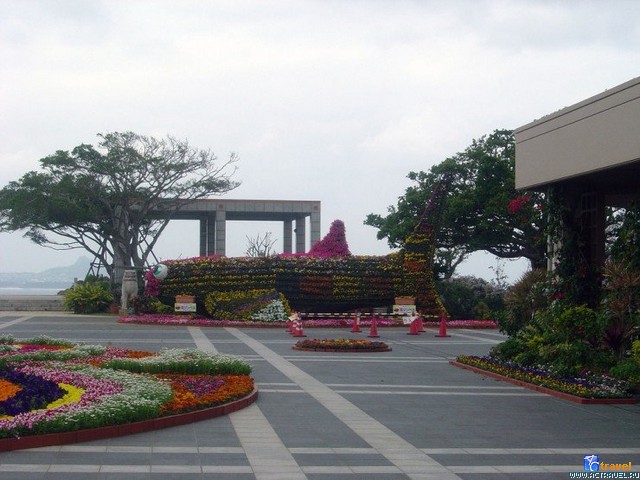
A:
(590, 152)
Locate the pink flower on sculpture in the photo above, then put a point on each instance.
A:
(151, 284)
(334, 244)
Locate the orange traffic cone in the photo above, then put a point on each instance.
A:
(419, 325)
(291, 324)
(355, 328)
(298, 332)
(443, 326)
(373, 333)
(413, 328)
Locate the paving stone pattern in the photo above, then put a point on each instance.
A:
(404, 414)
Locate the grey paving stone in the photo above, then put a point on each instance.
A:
(476, 427)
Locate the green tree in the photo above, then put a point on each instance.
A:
(113, 202)
(483, 210)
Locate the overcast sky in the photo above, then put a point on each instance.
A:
(322, 100)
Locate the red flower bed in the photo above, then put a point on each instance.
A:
(341, 345)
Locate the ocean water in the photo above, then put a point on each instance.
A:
(11, 291)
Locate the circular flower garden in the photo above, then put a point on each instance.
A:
(341, 345)
(51, 386)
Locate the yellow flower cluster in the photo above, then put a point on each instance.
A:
(73, 395)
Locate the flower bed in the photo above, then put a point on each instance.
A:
(306, 323)
(591, 389)
(50, 386)
(207, 322)
(471, 324)
(341, 345)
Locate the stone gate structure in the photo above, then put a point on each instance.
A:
(213, 214)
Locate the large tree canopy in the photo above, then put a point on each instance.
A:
(482, 211)
(116, 201)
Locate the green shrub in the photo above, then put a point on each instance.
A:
(522, 301)
(567, 359)
(143, 304)
(577, 323)
(88, 297)
(635, 352)
(481, 311)
(468, 297)
(628, 370)
(534, 342)
(508, 350)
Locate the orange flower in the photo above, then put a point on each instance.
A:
(232, 388)
(8, 390)
(139, 354)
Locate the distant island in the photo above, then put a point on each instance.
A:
(52, 278)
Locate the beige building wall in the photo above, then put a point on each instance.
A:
(594, 135)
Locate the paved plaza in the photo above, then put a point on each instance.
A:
(404, 414)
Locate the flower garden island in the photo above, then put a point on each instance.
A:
(54, 391)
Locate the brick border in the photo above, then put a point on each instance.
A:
(541, 389)
(87, 435)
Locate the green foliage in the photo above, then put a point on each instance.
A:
(566, 358)
(621, 305)
(88, 297)
(106, 201)
(635, 352)
(469, 297)
(145, 304)
(563, 337)
(508, 350)
(525, 298)
(577, 324)
(481, 311)
(627, 370)
(624, 230)
(576, 278)
(477, 214)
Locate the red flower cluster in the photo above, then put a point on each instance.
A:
(518, 204)
(151, 284)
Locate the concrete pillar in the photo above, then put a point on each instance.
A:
(203, 236)
(286, 236)
(207, 235)
(221, 232)
(301, 237)
(315, 227)
(211, 234)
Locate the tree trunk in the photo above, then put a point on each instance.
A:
(121, 260)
